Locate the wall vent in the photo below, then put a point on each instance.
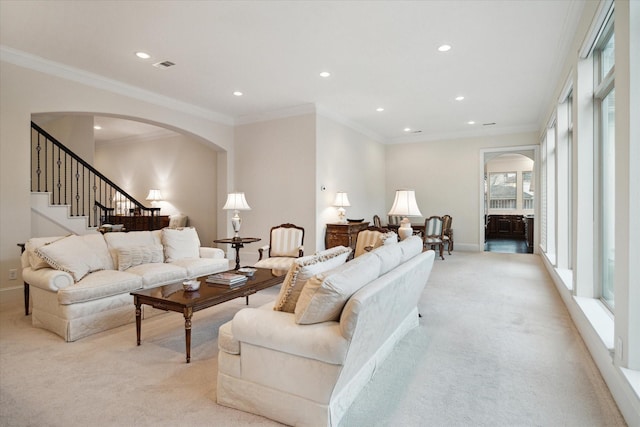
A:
(489, 124)
(164, 64)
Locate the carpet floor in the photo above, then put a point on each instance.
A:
(495, 347)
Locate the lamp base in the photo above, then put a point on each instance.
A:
(342, 216)
(405, 229)
(236, 222)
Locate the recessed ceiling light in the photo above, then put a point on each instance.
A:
(325, 74)
(471, 122)
(459, 98)
(379, 109)
(238, 93)
(143, 55)
(97, 127)
(407, 129)
(444, 48)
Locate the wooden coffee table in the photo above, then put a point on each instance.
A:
(174, 298)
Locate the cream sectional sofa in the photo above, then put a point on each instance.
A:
(81, 285)
(305, 366)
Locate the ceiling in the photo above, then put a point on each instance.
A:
(505, 57)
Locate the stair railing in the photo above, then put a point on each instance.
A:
(72, 181)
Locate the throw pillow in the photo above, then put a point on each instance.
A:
(302, 270)
(35, 261)
(71, 254)
(410, 247)
(137, 255)
(324, 295)
(180, 243)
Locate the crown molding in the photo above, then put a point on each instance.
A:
(37, 63)
(324, 112)
(478, 133)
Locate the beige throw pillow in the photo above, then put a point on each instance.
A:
(180, 243)
(304, 268)
(136, 255)
(324, 295)
(35, 261)
(73, 255)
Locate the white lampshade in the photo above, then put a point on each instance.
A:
(236, 201)
(405, 205)
(341, 199)
(154, 195)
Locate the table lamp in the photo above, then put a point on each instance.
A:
(405, 205)
(237, 202)
(341, 201)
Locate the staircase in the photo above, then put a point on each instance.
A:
(72, 194)
(59, 215)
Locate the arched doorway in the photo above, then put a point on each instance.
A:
(508, 199)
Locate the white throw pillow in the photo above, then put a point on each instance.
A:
(35, 261)
(324, 295)
(180, 243)
(71, 254)
(137, 255)
(411, 246)
(302, 270)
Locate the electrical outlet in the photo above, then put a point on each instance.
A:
(13, 274)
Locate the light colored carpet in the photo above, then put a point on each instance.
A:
(495, 347)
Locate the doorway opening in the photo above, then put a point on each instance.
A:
(508, 200)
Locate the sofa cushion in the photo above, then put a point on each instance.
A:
(180, 243)
(100, 284)
(324, 295)
(411, 246)
(130, 256)
(158, 274)
(389, 255)
(197, 267)
(302, 270)
(77, 255)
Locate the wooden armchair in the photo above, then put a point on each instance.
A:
(447, 232)
(370, 238)
(377, 222)
(433, 234)
(285, 245)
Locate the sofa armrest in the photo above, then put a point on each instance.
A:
(48, 279)
(206, 252)
(278, 331)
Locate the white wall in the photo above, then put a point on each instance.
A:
(347, 161)
(183, 169)
(25, 92)
(275, 168)
(446, 178)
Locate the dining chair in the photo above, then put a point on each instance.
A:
(447, 232)
(433, 234)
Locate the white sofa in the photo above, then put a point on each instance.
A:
(81, 285)
(306, 367)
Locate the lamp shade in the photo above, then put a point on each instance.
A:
(236, 201)
(154, 195)
(341, 199)
(405, 204)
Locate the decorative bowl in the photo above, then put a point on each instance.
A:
(191, 285)
(249, 271)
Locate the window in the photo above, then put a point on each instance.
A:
(502, 190)
(527, 190)
(604, 102)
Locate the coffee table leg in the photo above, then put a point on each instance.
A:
(188, 312)
(138, 318)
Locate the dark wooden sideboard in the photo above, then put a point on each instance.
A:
(506, 226)
(343, 234)
(139, 222)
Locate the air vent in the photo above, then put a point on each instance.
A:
(489, 124)
(417, 131)
(164, 64)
